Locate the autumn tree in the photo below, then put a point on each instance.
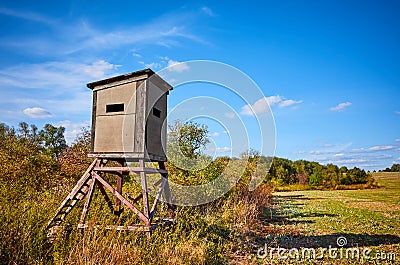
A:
(52, 139)
(187, 138)
(73, 159)
(25, 168)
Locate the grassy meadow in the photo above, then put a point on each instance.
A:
(368, 218)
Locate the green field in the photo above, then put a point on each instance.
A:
(316, 219)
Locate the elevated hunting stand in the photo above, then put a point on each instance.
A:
(128, 125)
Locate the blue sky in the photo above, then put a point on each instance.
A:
(330, 69)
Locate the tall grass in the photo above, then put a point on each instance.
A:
(207, 234)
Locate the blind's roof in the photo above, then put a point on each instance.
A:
(114, 79)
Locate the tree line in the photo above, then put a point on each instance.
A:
(44, 153)
(284, 171)
(393, 168)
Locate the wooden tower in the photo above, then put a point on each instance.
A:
(128, 125)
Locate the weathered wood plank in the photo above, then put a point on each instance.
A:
(158, 196)
(89, 197)
(139, 137)
(143, 181)
(148, 170)
(143, 228)
(167, 192)
(120, 178)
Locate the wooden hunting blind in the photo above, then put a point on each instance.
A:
(128, 116)
(128, 124)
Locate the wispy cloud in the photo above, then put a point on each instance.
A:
(263, 105)
(72, 129)
(289, 102)
(26, 15)
(260, 106)
(174, 66)
(397, 140)
(375, 148)
(57, 88)
(215, 134)
(222, 149)
(99, 68)
(341, 106)
(164, 61)
(66, 38)
(152, 65)
(37, 113)
(54, 75)
(398, 112)
(340, 154)
(230, 115)
(206, 10)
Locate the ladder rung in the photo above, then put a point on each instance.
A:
(131, 169)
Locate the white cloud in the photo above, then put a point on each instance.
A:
(152, 65)
(26, 15)
(59, 87)
(37, 113)
(215, 134)
(174, 66)
(375, 148)
(398, 159)
(338, 155)
(350, 161)
(206, 10)
(99, 68)
(222, 149)
(298, 152)
(380, 148)
(397, 140)
(72, 129)
(260, 106)
(340, 107)
(398, 112)
(54, 76)
(230, 115)
(375, 157)
(289, 102)
(263, 105)
(272, 100)
(73, 36)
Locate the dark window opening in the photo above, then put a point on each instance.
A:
(157, 112)
(114, 108)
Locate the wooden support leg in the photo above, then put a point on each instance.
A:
(167, 192)
(120, 178)
(89, 197)
(145, 195)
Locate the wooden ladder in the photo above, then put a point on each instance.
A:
(78, 193)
